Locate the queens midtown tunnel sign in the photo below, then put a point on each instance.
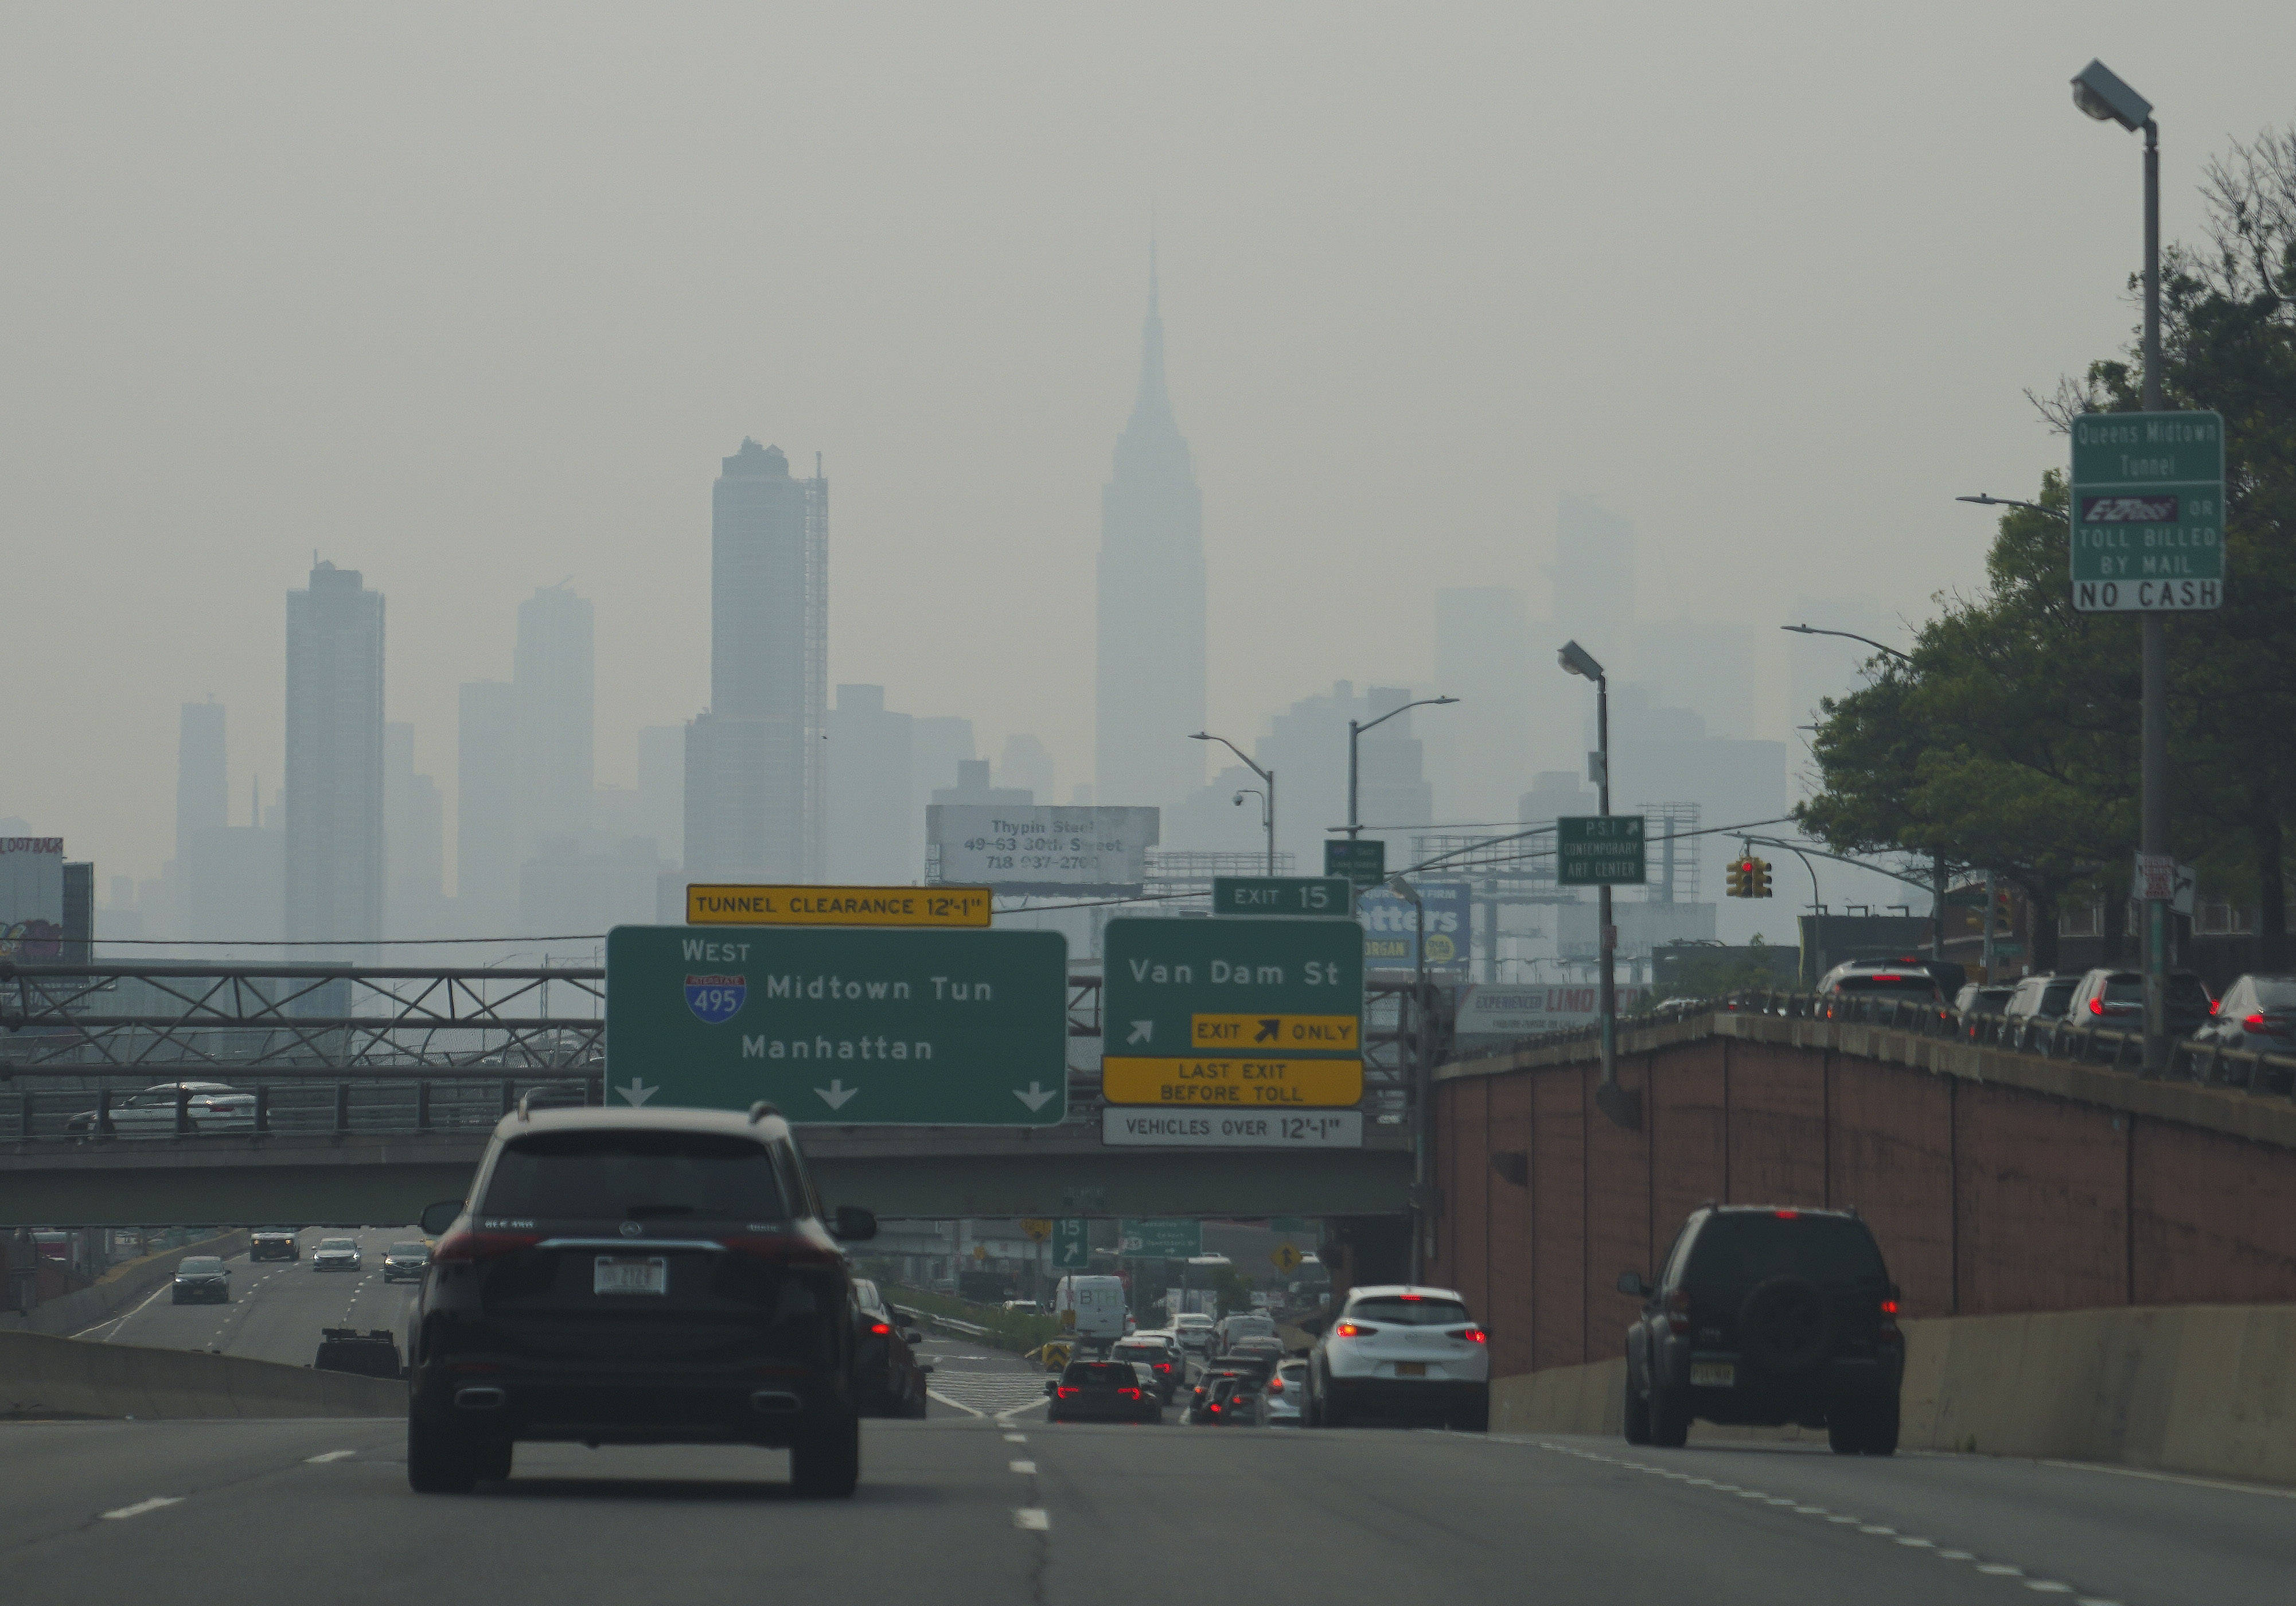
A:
(2147, 511)
(850, 1028)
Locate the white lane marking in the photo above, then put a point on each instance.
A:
(115, 1323)
(330, 1455)
(957, 1405)
(2000, 1569)
(1957, 1555)
(141, 1506)
(1917, 1544)
(2205, 1483)
(1875, 1527)
(2048, 1586)
(1027, 1469)
(1031, 1516)
(1810, 1510)
(1842, 1518)
(1016, 1439)
(1034, 1404)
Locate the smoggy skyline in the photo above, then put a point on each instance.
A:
(474, 303)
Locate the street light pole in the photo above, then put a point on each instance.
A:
(1612, 1098)
(2100, 94)
(1268, 775)
(1355, 730)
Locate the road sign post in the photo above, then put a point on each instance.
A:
(850, 1028)
(1297, 896)
(1362, 860)
(2147, 520)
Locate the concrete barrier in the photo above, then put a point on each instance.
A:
(2203, 1389)
(117, 1289)
(44, 1376)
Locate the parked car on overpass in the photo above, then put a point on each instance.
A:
(209, 1107)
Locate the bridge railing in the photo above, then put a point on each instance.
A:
(304, 1105)
(2213, 1064)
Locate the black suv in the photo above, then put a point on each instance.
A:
(636, 1276)
(1767, 1316)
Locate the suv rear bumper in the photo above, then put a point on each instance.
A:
(630, 1405)
(1405, 1396)
(1756, 1399)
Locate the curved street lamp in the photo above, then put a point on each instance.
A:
(1268, 775)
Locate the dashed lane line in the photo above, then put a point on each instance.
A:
(1033, 1517)
(141, 1506)
(1880, 1530)
(1027, 1469)
(317, 1460)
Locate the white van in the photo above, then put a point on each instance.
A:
(1091, 1309)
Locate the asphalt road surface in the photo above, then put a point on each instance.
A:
(968, 1510)
(277, 1306)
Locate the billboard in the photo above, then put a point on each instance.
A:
(1391, 930)
(1491, 1013)
(31, 898)
(1047, 849)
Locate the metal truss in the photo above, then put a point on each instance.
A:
(289, 1018)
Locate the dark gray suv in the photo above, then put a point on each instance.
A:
(1767, 1316)
(636, 1276)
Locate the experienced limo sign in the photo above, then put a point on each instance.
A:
(847, 1027)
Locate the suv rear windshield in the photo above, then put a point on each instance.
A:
(1397, 1311)
(2127, 986)
(1101, 1374)
(1738, 1250)
(642, 1176)
(1145, 1351)
(1889, 984)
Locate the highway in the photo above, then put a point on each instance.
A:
(277, 1306)
(969, 1509)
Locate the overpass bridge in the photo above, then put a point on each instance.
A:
(376, 1089)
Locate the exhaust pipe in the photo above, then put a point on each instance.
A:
(775, 1402)
(480, 1398)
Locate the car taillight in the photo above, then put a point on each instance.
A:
(1889, 1308)
(2255, 1023)
(2097, 1006)
(1353, 1330)
(2215, 1005)
(1063, 1392)
(1473, 1335)
(1129, 1393)
(1275, 1385)
(1678, 1310)
(1787, 1215)
(880, 1328)
(467, 1247)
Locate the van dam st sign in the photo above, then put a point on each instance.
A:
(851, 1028)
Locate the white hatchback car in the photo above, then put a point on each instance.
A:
(1401, 1351)
(1194, 1331)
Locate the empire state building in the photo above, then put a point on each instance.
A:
(1151, 664)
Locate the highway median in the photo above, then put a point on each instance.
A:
(47, 1377)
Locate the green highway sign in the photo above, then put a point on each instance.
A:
(1294, 895)
(1595, 850)
(1072, 1244)
(1155, 1239)
(1159, 974)
(846, 1027)
(2147, 511)
(1362, 860)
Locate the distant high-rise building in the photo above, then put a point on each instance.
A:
(871, 839)
(1479, 751)
(1028, 764)
(486, 806)
(201, 776)
(553, 670)
(414, 838)
(334, 873)
(661, 788)
(754, 770)
(1151, 650)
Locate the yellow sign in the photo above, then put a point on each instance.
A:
(1037, 1227)
(1286, 1257)
(1257, 1084)
(1274, 1033)
(708, 905)
(980, 1251)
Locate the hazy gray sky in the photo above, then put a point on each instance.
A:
(472, 298)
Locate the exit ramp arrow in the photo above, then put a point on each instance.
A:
(1142, 1031)
(835, 1094)
(637, 1091)
(1037, 1097)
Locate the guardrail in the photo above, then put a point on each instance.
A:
(971, 1330)
(2210, 1065)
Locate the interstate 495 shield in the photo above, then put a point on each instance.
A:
(845, 1027)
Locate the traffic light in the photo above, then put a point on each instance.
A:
(1759, 879)
(1735, 878)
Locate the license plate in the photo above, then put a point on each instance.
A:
(631, 1274)
(1713, 1374)
(1410, 1369)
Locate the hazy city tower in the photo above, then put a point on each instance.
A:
(1151, 667)
(554, 672)
(755, 771)
(334, 759)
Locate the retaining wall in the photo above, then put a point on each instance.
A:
(2203, 1389)
(42, 1376)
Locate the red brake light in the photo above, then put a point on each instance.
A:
(2215, 1005)
(1062, 1392)
(1275, 1385)
(2255, 1023)
(1888, 979)
(1129, 1393)
(466, 1247)
(1889, 1308)
(2097, 1006)
(880, 1328)
(1787, 1215)
(1473, 1335)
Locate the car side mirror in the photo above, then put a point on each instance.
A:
(1631, 1283)
(436, 1218)
(855, 1225)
